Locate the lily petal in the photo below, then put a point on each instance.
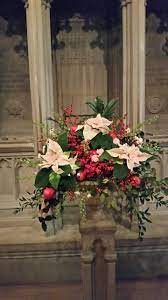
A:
(89, 133)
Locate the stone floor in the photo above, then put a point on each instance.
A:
(126, 290)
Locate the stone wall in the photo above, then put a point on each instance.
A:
(87, 63)
(16, 130)
(81, 71)
(156, 75)
(15, 113)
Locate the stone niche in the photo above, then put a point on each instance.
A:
(15, 113)
(156, 76)
(87, 65)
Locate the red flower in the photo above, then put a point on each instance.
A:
(135, 181)
(90, 169)
(68, 110)
(113, 134)
(73, 129)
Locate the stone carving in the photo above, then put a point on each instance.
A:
(14, 83)
(26, 3)
(3, 25)
(15, 179)
(46, 3)
(10, 43)
(155, 104)
(82, 61)
(156, 41)
(15, 109)
(78, 44)
(4, 162)
(4, 41)
(152, 23)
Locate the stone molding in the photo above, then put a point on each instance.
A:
(135, 260)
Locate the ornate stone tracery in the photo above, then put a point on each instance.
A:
(46, 3)
(26, 3)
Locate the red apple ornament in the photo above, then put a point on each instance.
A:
(49, 193)
(81, 175)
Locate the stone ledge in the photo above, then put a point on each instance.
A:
(28, 257)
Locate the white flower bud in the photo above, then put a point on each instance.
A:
(128, 130)
(139, 141)
(89, 196)
(77, 193)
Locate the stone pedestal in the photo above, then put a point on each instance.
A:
(98, 256)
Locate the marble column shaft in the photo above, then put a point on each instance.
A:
(133, 16)
(40, 61)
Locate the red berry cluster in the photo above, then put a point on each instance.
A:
(70, 120)
(118, 130)
(90, 169)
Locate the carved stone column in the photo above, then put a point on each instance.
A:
(98, 257)
(133, 14)
(40, 60)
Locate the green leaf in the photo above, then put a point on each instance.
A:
(114, 204)
(63, 141)
(44, 226)
(166, 180)
(97, 105)
(92, 106)
(146, 219)
(67, 183)
(109, 109)
(54, 179)
(79, 133)
(118, 161)
(120, 171)
(105, 156)
(42, 178)
(67, 169)
(48, 218)
(102, 141)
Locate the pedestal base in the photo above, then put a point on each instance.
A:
(98, 257)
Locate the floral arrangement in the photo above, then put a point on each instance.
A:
(102, 150)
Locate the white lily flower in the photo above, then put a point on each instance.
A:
(116, 141)
(128, 130)
(77, 193)
(93, 126)
(131, 154)
(55, 157)
(138, 140)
